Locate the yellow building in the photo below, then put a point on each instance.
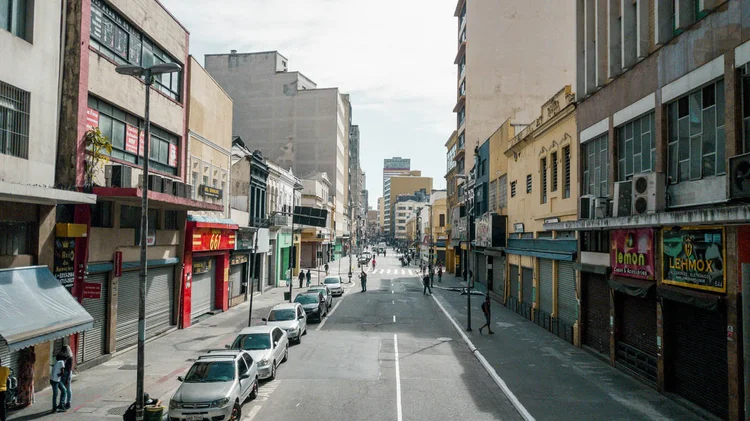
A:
(452, 242)
(438, 227)
(542, 164)
(381, 215)
(407, 184)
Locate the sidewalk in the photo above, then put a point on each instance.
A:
(105, 391)
(551, 378)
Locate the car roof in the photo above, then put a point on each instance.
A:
(257, 329)
(333, 277)
(285, 306)
(221, 355)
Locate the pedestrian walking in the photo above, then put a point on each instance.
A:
(55, 380)
(67, 356)
(308, 276)
(363, 280)
(486, 311)
(301, 277)
(426, 282)
(4, 374)
(440, 274)
(432, 277)
(326, 268)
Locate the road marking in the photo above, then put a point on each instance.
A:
(398, 379)
(323, 323)
(253, 412)
(394, 318)
(491, 371)
(393, 301)
(393, 292)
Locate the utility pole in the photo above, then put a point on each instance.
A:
(252, 276)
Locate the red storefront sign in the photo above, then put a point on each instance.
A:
(92, 290)
(211, 239)
(632, 253)
(92, 118)
(117, 259)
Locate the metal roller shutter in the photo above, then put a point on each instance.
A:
(481, 271)
(696, 350)
(10, 359)
(636, 342)
(236, 276)
(527, 297)
(498, 276)
(595, 312)
(159, 304)
(567, 305)
(202, 292)
(513, 280)
(91, 343)
(545, 286)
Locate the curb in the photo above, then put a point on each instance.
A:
(491, 371)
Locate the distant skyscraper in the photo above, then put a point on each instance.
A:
(391, 167)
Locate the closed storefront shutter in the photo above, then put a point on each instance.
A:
(567, 305)
(203, 288)
(481, 272)
(498, 276)
(159, 304)
(91, 343)
(545, 286)
(696, 353)
(236, 276)
(10, 359)
(527, 297)
(596, 312)
(513, 280)
(636, 339)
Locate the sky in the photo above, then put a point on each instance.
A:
(394, 57)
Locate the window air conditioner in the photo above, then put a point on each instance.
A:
(587, 206)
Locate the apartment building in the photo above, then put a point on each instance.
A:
(391, 167)
(406, 185)
(452, 202)
(663, 229)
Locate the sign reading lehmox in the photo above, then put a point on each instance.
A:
(632, 253)
(693, 257)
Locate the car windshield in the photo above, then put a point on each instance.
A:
(317, 290)
(331, 281)
(281, 315)
(210, 372)
(252, 341)
(306, 298)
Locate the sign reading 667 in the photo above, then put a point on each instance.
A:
(209, 239)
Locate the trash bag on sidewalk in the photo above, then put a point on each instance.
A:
(149, 403)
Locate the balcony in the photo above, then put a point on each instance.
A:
(461, 102)
(278, 220)
(461, 52)
(459, 7)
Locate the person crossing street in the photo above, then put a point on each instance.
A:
(487, 316)
(308, 276)
(426, 282)
(363, 280)
(301, 277)
(440, 274)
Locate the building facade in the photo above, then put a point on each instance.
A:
(451, 203)
(391, 167)
(317, 245)
(283, 195)
(404, 185)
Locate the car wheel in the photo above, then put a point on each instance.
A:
(236, 412)
(273, 371)
(305, 332)
(286, 354)
(254, 391)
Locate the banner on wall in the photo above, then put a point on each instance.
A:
(632, 253)
(694, 257)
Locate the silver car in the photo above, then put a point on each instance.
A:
(326, 294)
(334, 284)
(215, 387)
(267, 345)
(291, 318)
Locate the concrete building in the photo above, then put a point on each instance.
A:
(284, 193)
(317, 246)
(437, 227)
(541, 170)
(404, 184)
(452, 203)
(381, 216)
(391, 167)
(402, 212)
(30, 73)
(663, 139)
(373, 225)
(501, 80)
(289, 119)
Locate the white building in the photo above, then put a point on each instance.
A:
(316, 242)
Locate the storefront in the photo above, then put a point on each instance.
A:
(546, 293)
(595, 309)
(92, 344)
(566, 313)
(283, 256)
(633, 275)
(480, 275)
(694, 312)
(497, 260)
(205, 285)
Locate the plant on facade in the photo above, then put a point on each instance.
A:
(98, 150)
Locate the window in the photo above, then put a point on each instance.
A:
(696, 135)
(636, 147)
(595, 167)
(441, 222)
(528, 184)
(484, 167)
(101, 215)
(595, 241)
(543, 169)
(123, 131)
(502, 192)
(130, 217)
(170, 220)
(16, 17)
(566, 172)
(512, 189)
(451, 158)
(14, 120)
(554, 171)
(461, 115)
(121, 42)
(461, 166)
(461, 140)
(493, 195)
(745, 113)
(15, 238)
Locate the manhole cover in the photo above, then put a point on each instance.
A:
(120, 410)
(444, 339)
(128, 367)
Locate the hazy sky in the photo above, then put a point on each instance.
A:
(394, 57)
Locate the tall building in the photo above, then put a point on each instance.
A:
(354, 184)
(452, 204)
(663, 138)
(498, 80)
(404, 185)
(391, 166)
(381, 215)
(289, 119)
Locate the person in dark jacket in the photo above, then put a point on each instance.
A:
(427, 287)
(67, 355)
(487, 316)
(308, 276)
(301, 278)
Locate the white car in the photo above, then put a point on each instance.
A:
(268, 345)
(215, 387)
(291, 318)
(334, 284)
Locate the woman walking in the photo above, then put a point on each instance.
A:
(55, 380)
(67, 355)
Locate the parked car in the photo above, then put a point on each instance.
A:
(334, 283)
(314, 305)
(290, 317)
(326, 294)
(268, 345)
(215, 387)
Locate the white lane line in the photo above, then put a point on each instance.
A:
(393, 301)
(491, 371)
(394, 318)
(398, 378)
(253, 412)
(323, 323)
(393, 292)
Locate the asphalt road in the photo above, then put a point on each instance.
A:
(385, 354)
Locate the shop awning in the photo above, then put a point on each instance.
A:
(633, 287)
(35, 308)
(686, 296)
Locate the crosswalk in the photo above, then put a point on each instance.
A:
(405, 272)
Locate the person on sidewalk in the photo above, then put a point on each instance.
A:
(55, 380)
(363, 280)
(487, 317)
(426, 282)
(326, 268)
(4, 374)
(67, 356)
(440, 274)
(301, 278)
(432, 277)
(308, 276)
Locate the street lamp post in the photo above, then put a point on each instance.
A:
(148, 74)
(468, 250)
